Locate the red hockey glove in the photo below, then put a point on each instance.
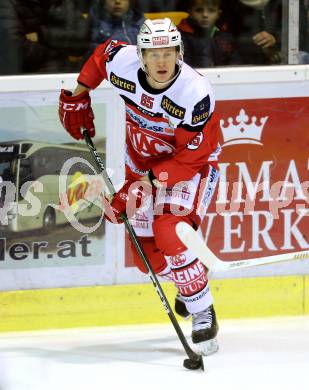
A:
(75, 112)
(127, 200)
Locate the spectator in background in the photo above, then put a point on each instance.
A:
(66, 32)
(46, 36)
(114, 19)
(256, 25)
(205, 44)
(18, 54)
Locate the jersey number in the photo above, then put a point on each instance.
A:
(147, 101)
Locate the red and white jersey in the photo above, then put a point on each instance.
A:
(169, 130)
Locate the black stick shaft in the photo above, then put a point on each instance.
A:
(191, 354)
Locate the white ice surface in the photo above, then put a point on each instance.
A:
(254, 354)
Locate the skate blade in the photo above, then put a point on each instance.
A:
(208, 347)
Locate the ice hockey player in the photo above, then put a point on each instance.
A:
(171, 146)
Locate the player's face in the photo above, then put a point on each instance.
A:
(205, 16)
(117, 7)
(160, 63)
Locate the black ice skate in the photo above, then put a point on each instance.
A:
(204, 331)
(180, 307)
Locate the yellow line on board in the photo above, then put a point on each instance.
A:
(139, 303)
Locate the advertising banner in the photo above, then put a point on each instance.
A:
(51, 212)
(51, 229)
(261, 206)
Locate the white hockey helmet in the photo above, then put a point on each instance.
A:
(158, 33)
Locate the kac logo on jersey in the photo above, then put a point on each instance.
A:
(196, 142)
(121, 83)
(112, 44)
(147, 145)
(200, 111)
(178, 260)
(172, 108)
(112, 49)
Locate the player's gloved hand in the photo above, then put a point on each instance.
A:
(75, 112)
(127, 200)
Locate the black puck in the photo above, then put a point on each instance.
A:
(194, 364)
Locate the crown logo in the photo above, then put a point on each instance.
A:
(243, 131)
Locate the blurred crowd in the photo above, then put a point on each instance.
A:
(52, 36)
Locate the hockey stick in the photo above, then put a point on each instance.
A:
(195, 360)
(194, 242)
